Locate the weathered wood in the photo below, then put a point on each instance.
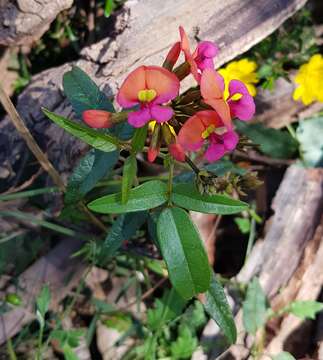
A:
(290, 255)
(298, 207)
(144, 32)
(56, 269)
(24, 21)
(306, 284)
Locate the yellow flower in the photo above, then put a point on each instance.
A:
(310, 80)
(243, 70)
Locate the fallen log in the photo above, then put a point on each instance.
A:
(298, 207)
(144, 31)
(24, 21)
(289, 257)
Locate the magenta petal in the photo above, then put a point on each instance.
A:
(244, 108)
(214, 152)
(206, 64)
(230, 140)
(207, 49)
(139, 118)
(161, 113)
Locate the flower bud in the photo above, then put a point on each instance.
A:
(155, 142)
(97, 118)
(172, 56)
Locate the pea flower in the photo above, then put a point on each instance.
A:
(201, 58)
(149, 87)
(243, 70)
(310, 79)
(207, 126)
(239, 103)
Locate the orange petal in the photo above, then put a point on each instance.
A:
(185, 45)
(134, 82)
(223, 110)
(164, 82)
(188, 55)
(210, 87)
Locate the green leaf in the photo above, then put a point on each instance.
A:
(83, 93)
(128, 177)
(305, 309)
(143, 197)
(194, 316)
(275, 143)
(96, 139)
(309, 134)
(43, 301)
(216, 305)
(108, 7)
(188, 197)
(254, 308)
(122, 229)
(166, 309)
(185, 344)
(183, 252)
(92, 168)
(139, 138)
(283, 356)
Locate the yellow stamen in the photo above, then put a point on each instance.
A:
(152, 124)
(208, 131)
(236, 97)
(147, 95)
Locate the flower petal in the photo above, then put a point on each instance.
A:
(204, 54)
(230, 140)
(188, 55)
(244, 108)
(212, 84)
(214, 152)
(223, 110)
(134, 82)
(161, 113)
(190, 135)
(164, 82)
(139, 118)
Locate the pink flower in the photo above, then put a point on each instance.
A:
(201, 58)
(97, 118)
(239, 103)
(149, 87)
(207, 126)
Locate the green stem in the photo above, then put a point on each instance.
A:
(251, 239)
(192, 165)
(40, 343)
(170, 180)
(11, 351)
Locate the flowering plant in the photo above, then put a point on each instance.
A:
(179, 128)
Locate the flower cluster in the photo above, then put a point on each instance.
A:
(309, 80)
(200, 119)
